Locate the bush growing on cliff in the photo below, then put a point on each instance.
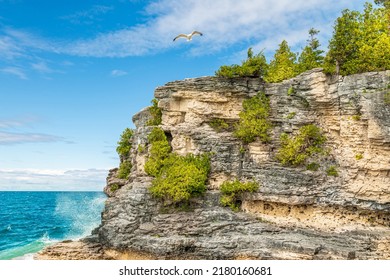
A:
(159, 151)
(332, 171)
(177, 178)
(254, 119)
(124, 169)
(219, 124)
(296, 149)
(181, 178)
(253, 66)
(232, 190)
(156, 114)
(124, 144)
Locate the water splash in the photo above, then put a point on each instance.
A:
(83, 214)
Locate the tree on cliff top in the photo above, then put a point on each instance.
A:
(283, 66)
(360, 42)
(253, 66)
(311, 57)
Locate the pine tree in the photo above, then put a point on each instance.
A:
(360, 43)
(343, 46)
(311, 57)
(283, 66)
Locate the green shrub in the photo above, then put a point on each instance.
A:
(296, 149)
(141, 148)
(114, 187)
(124, 144)
(231, 192)
(159, 151)
(358, 156)
(219, 124)
(156, 114)
(291, 115)
(313, 166)
(177, 178)
(253, 66)
(290, 91)
(332, 171)
(386, 98)
(181, 178)
(124, 169)
(254, 119)
(356, 117)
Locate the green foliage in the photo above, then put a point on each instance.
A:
(283, 66)
(356, 117)
(358, 156)
(124, 169)
(311, 57)
(114, 187)
(177, 178)
(332, 171)
(291, 115)
(253, 66)
(254, 119)
(159, 151)
(124, 144)
(360, 42)
(156, 113)
(231, 192)
(181, 178)
(296, 149)
(219, 124)
(290, 91)
(386, 98)
(313, 166)
(141, 148)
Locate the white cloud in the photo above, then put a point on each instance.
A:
(88, 16)
(224, 23)
(42, 67)
(11, 138)
(16, 71)
(40, 179)
(118, 73)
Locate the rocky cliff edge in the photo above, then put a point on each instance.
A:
(296, 213)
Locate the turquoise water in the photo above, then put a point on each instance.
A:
(30, 221)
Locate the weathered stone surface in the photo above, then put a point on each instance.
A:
(296, 213)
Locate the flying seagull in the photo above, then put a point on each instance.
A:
(188, 36)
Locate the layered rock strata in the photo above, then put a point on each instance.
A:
(296, 213)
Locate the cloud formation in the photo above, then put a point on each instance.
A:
(88, 16)
(224, 23)
(12, 138)
(9, 137)
(15, 71)
(52, 180)
(118, 73)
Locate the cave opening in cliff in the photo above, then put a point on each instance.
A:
(168, 134)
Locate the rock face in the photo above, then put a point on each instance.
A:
(296, 213)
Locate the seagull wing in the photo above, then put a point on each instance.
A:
(180, 35)
(196, 32)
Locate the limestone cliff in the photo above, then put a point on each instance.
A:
(296, 213)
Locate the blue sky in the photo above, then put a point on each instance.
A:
(72, 73)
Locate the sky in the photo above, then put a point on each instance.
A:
(73, 73)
